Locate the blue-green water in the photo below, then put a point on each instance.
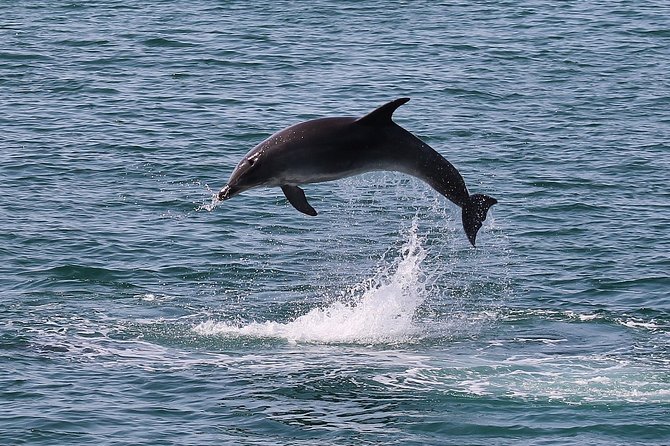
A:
(133, 311)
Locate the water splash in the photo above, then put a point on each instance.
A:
(378, 310)
(214, 202)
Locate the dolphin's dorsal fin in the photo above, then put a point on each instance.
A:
(383, 114)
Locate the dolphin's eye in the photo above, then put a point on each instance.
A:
(252, 160)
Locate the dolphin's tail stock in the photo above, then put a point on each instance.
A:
(474, 214)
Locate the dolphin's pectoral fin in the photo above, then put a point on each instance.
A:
(296, 197)
(383, 115)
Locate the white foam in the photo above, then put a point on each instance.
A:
(378, 310)
(209, 207)
(574, 379)
(632, 323)
(151, 297)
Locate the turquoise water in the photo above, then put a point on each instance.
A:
(135, 310)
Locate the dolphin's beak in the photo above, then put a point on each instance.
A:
(224, 194)
(228, 191)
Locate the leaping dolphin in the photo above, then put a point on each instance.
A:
(328, 149)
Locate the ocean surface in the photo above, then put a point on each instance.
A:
(136, 310)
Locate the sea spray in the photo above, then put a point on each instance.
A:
(377, 310)
(213, 201)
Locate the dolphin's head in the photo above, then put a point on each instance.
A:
(247, 175)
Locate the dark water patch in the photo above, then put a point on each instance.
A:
(99, 90)
(87, 274)
(643, 285)
(575, 183)
(16, 56)
(231, 63)
(68, 86)
(161, 42)
(663, 33)
(84, 43)
(10, 339)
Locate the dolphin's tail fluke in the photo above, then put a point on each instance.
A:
(474, 214)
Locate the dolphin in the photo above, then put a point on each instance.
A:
(328, 149)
